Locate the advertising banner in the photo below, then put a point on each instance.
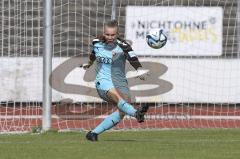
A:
(191, 31)
(171, 80)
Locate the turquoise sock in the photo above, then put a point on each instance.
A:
(126, 108)
(109, 122)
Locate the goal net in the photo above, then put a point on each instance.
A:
(194, 78)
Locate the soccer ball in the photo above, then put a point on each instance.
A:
(156, 39)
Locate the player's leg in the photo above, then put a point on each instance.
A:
(122, 99)
(112, 120)
(126, 107)
(122, 102)
(109, 122)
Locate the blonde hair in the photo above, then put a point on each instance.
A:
(111, 24)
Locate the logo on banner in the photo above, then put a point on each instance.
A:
(156, 70)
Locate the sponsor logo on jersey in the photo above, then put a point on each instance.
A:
(105, 60)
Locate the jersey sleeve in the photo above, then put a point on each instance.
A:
(129, 53)
(134, 62)
(96, 43)
(92, 56)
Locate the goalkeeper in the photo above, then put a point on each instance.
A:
(110, 53)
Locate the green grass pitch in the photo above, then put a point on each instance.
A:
(164, 144)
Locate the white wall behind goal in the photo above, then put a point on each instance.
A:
(193, 80)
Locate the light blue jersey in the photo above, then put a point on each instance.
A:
(110, 67)
(110, 64)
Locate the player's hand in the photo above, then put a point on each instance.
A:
(143, 76)
(85, 66)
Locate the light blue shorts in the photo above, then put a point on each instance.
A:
(104, 86)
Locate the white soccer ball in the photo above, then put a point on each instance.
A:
(156, 38)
